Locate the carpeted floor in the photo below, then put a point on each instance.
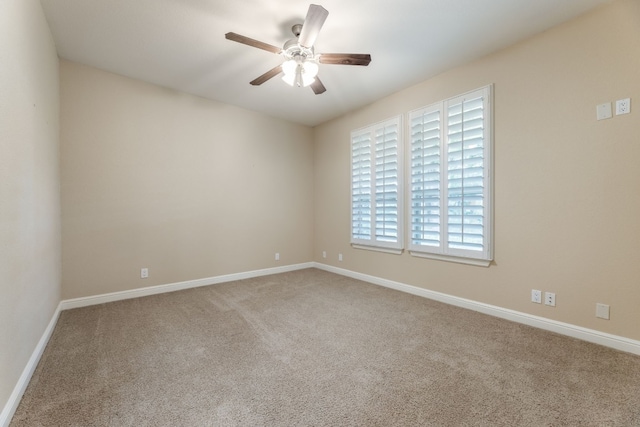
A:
(311, 348)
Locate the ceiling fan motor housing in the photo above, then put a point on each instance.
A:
(293, 50)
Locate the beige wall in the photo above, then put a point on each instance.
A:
(184, 186)
(29, 186)
(567, 187)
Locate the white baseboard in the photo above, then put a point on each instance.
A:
(14, 400)
(171, 287)
(590, 335)
(585, 334)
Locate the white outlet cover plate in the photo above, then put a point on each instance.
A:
(536, 296)
(623, 106)
(602, 311)
(550, 299)
(603, 111)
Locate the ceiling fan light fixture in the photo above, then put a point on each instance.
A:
(300, 73)
(290, 66)
(310, 69)
(289, 79)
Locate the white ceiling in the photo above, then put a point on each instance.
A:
(180, 44)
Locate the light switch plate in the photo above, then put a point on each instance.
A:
(602, 311)
(603, 111)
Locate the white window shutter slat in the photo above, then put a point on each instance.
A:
(425, 217)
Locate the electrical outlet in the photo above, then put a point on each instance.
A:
(602, 311)
(277, 256)
(536, 296)
(144, 273)
(339, 257)
(550, 299)
(324, 254)
(623, 106)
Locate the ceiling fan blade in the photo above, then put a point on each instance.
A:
(251, 42)
(345, 58)
(316, 15)
(266, 76)
(318, 87)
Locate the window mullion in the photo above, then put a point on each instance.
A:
(444, 177)
(374, 185)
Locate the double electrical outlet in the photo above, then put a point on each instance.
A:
(549, 297)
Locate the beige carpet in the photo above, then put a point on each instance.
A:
(311, 348)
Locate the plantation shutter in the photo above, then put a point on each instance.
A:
(376, 179)
(425, 177)
(450, 179)
(465, 174)
(387, 180)
(361, 190)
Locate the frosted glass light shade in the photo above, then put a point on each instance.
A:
(289, 67)
(301, 73)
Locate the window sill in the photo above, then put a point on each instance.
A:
(377, 249)
(449, 258)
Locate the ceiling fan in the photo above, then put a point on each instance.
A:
(300, 67)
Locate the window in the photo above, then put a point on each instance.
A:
(376, 187)
(450, 179)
